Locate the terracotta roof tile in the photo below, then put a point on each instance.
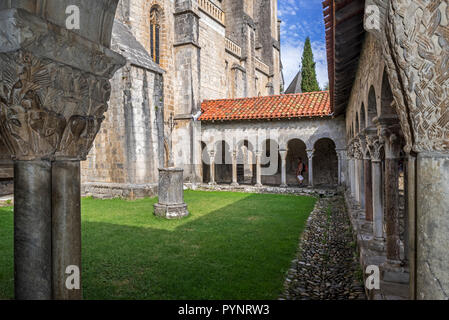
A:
(310, 104)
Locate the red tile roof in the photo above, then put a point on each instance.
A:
(310, 104)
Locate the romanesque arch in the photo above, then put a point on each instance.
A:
(372, 106)
(362, 117)
(296, 149)
(386, 107)
(270, 162)
(325, 163)
(223, 162)
(245, 162)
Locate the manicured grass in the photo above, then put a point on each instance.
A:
(232, 246)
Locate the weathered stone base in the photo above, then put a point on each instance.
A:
(174, 211)
(118, 190)
(394, 282)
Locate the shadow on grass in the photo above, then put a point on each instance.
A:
(233, 246)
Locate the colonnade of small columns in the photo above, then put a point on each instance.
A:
(258, 162)
(375, 153)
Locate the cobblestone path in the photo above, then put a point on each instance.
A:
(326, 267)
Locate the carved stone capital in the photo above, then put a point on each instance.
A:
(358, 149)
(54, 88)
(310, 153)
(350, 149)
(375, 147)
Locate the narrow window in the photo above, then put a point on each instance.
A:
(155, 34)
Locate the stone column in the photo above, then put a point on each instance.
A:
(368, 189)
(432, 225)
(392, 154)
(351, 176)
(258, 169)
(375, 147)
(171, 203)
(340, 161)
(66, 227)
(43, 64)
(283, 154)
(32, 230)
(411, 222)
(234, 169)
(358, 156)
(310, 157)
(212, 167)
(421, 104)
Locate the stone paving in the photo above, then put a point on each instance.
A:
(326, 266)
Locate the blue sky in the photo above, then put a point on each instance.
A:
(302, 18)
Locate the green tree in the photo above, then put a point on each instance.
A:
(309, 82)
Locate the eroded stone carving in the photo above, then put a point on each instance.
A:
(49, 110)
(375, 147)
(417, 54)
(358, 150)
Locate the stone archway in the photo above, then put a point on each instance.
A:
(325, 163)
(245, 162)
(223, 162)
(271, 163)
(296, 149)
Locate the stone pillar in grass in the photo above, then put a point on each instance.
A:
(171, 203)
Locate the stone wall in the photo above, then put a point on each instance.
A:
(126, 148)
(135, 138)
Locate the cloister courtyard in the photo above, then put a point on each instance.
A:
(231, 246)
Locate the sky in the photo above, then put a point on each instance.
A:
(302, 18)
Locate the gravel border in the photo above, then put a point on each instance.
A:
(326, 265)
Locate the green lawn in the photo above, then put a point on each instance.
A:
(232, 246)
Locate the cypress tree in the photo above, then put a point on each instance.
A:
(309, 82)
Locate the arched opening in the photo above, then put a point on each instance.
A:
(357, 126)
(296, 150)
(387, 97)
(155, 34)
(270, 163)
(372, 106)
(205, 161)
(325, 163)
(223, 162)
(245, 162)
(362, 117)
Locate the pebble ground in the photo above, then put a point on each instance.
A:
(326, 266)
